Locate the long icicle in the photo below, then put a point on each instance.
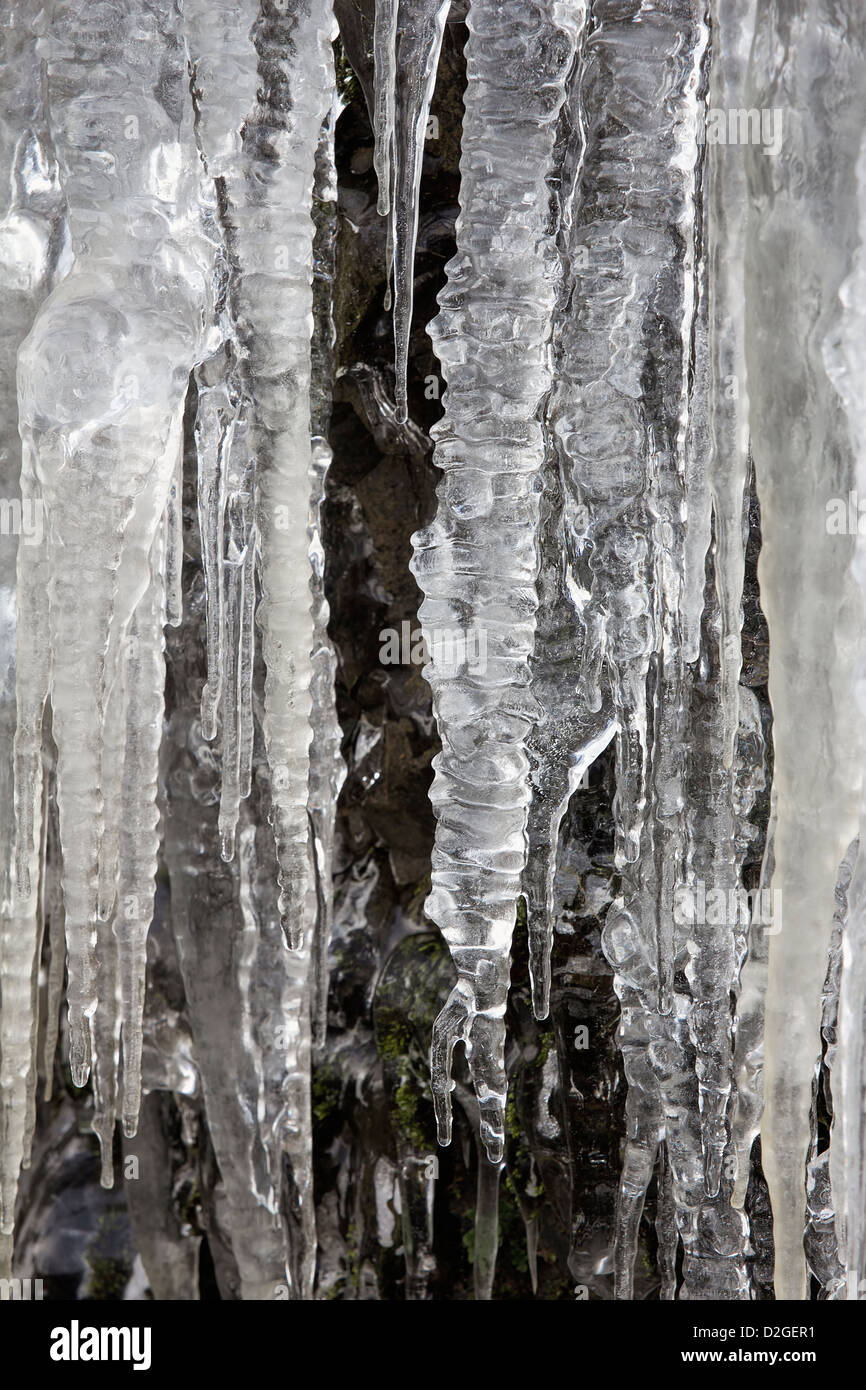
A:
(802, 455)
(568, 735)
(327, 768)
(105, 479)
(407, 43)
(274, 298)
(843, 353)
(32, 255)
(477, 563)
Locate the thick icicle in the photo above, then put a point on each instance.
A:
(477, 563)
(105, 479)
(272, 241)
(263, 82)
(232, 953)
(843, 353)
(384, 115)
(719, 449)
(711, 943)
(223, 919)
(32, 250)
(571, 731)
(623, 421)
(260, 142)
(722, 772)
(803, 458)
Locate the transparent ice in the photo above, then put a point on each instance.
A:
(651, 339)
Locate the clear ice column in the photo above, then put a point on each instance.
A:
(802, 231)
(102, 378)
(477, 562)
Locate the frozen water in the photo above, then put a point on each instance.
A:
(651, 335)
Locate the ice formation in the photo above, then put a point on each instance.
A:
(477, 564)
(650, 328)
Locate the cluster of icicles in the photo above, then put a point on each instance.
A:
(631, 312)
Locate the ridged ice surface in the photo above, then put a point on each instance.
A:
(844, 358)
(33, 251)
(803, 457)
(477, 563)
(102, 480)
(407, 44)
(642, 577)
(189, 247)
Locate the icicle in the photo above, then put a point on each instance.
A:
(712, 872)
(224, 63)
(417, 1192)
(57, 940)
(477, 563)
(272, 240)
(486, 1227)
(624, 345)
(281, 979)
(847, 1162)
(749, 1042)
(713, 923)
(556, 772)
(32, 254)
(45, 897)
(666, 1229)
(652, 631)
(226, 499)
(327, 769)
(248, 1000)
(139, 822)
(174, 545)
(802, 458)
(571, 732)
(825, 1250)
(694, 1066)
(236, 972)
(697, 495)
(262, 153)
(106, 1050)
(214, 431)
(843, 353)
(105, 481)
(120, 647)
(238, 606)
(709, 941)
(258, 132)
(20, 938)
(32, 675)
(733, 23)
(405, 78)
(216, 929)
(385, 61)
